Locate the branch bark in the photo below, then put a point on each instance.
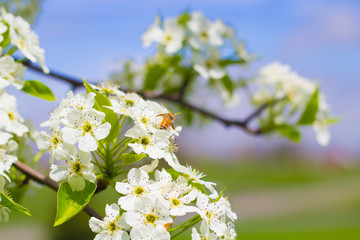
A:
(42, 179)
(242, 124)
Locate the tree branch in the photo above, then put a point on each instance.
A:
(42, 179)
(243, 124)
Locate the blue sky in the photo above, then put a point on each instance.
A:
(319, 39)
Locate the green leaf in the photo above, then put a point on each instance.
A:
(38, 89)
(70, 203)
(100, 102)
(309, 114)
(230, 61)
(228, 84)
(6, 39)
(289, 132)
(184, 18)
(153, 75)
(6, 201)
(128, 158)
(333, 120)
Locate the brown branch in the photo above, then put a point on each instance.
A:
(243, 124)
(56, 75)
(42, 179)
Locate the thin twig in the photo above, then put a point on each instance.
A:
(42, 179)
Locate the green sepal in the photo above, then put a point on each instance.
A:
(128, 158)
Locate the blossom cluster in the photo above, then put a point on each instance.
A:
(278, 82)
(75, 121)
(146, 208)
(12, 30)
(151, 206)
(201, 42)
(15, 34)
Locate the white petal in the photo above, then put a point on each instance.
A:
(96, 225)
(77, 183)
(134, 218)
(112, 211)
(138, 177)
(58, 173)
(102, 131)
(123, 188)
(69, 135)
(127, 202)
(87, 143)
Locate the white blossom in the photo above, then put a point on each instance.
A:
(6, 162)
(11, 72)
(205, 32)
(9, 117)
(108, 88)
(137, 186)
(85, 127)
(152, 144)
(209, 67)
(24, 38)
(78, 168)
(170, 37)
(178, 197)
(113, 227)
(143, 232)
(124, 104)
(211, 214)
(148, 211)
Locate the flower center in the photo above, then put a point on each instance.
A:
(56, 140)
(87, 127)
(112, 226)
(204, 36)
(11, 116)
(129, 103)
(209, 214)
(76, 167)
(22, 43)
(175, 201)
(138, 191)
(168, 38)
(145, 141)
(150, 218)
(209, 64)
(144, 120)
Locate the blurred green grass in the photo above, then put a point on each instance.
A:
(275, 199)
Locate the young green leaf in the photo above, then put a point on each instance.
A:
(70, 203)
(153, 75)
(128, 158)
(289, 132)
(111, 117)
(228, 84)
(333, 120)
(6, 201)
(38, 89)
(309, 114)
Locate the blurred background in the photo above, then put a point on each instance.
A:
(279, 190)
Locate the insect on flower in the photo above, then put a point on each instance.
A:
(168, 120)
